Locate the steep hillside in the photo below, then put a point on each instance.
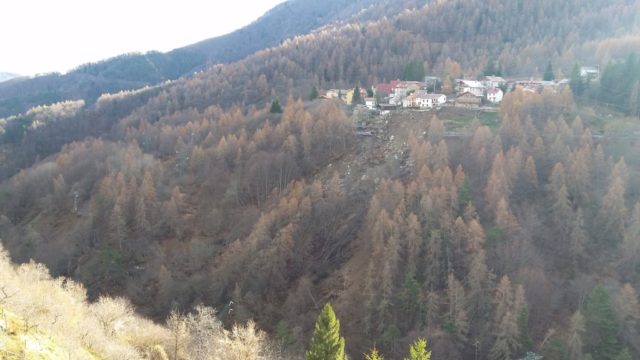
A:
(49, 318)
(130, 71)
(491, 240)
(292, 18)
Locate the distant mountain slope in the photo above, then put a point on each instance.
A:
(4, 76)
(88, 82)
(130, 71)
(289, 19)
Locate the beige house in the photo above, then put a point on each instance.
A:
(468, 99)
(471, 86)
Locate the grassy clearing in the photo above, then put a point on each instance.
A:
(461, 118)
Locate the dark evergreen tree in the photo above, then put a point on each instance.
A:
(576, 82)
(275, 107)
(548, 73)
(390, 336)
(370, 92)
(526, 343)
(464, 194)
(602, 328)
(357, 98)
(492, 68)
(314, 93)
(414, 71)
(411, 303)
(617, 84)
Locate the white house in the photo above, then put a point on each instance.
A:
(494, 95)
(423, 100)
(370, 103)
(397, 99)
(471, 86)
(589, 72)
(431, 100)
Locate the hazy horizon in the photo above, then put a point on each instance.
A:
(70, 33)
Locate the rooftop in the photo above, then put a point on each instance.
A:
(471, 83)
(495, 78)
(424, 95)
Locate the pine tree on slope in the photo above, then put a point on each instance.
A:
(326, 342)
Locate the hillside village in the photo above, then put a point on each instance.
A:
(486, 92)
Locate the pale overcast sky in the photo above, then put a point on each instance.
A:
(38, 36)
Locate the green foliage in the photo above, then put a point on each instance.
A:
(464, 194)
(373, 355)
(555, 350)
(414, 71)
(150, 67)
(624, 355)
(15, 129)
(314, 93)
(390, 336)
(495, 235)
(369, 92)
(526, 343)
(418, 351)
(326, 342)
(357, 98)
(576, 82)
(617, 84)
(284, 334)
(492, 68)
(275, 107)
(450, 327)
(602, 328)
(548, 73)
(411, 303)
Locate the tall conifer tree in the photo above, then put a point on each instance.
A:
(418, 351)
(326, 342)
(602, 328)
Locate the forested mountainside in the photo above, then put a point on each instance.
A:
(131, 71)
(450, 39)
(293, 18)
(521, 36)
(89, 81)
(523, 236)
